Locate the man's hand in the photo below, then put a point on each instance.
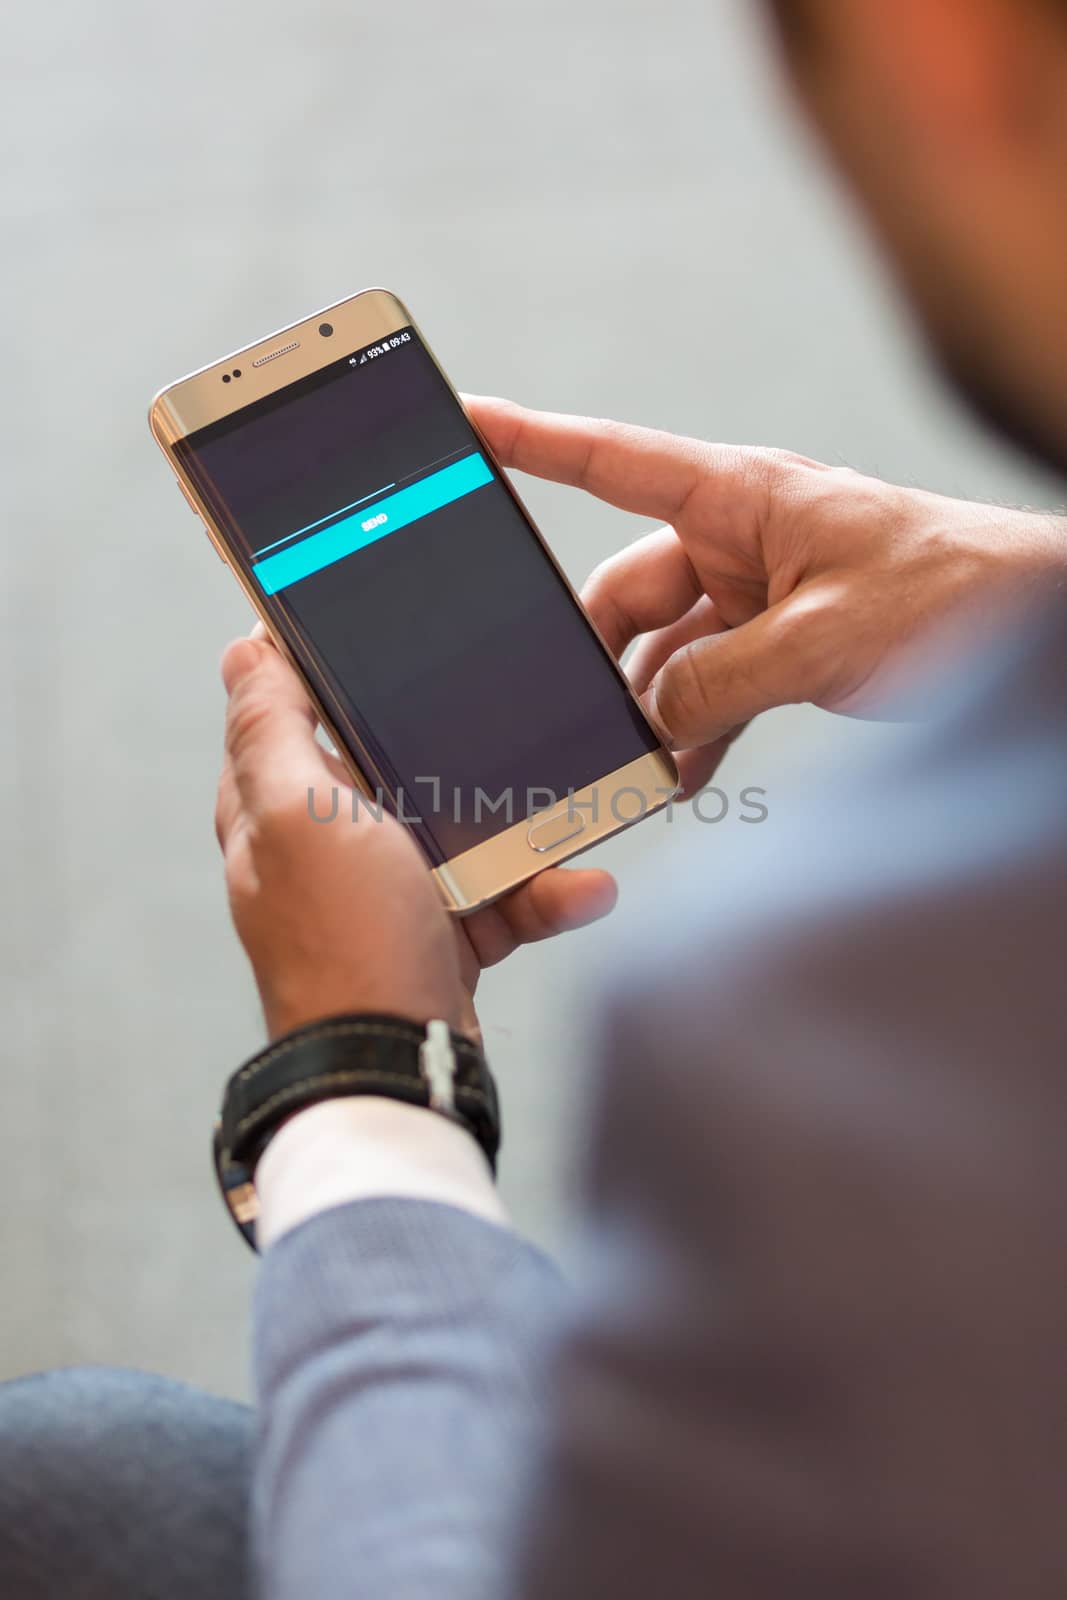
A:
(777, 580)
(344, 916)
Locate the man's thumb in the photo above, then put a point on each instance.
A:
(238, 660)
(718, 683)
(270, 727)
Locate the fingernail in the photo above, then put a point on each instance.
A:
(238, 660)
(648, 705)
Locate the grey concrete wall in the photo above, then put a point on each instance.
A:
(599, 206)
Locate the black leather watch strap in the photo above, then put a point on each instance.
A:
(390, 1056)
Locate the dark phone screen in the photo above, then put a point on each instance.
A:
(417, 598)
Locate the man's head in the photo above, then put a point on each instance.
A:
(949, 118)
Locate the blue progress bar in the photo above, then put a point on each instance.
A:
(376, 522)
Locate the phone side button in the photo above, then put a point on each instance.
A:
(213, 544)
(547, 832)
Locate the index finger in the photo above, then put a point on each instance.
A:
(637, 469)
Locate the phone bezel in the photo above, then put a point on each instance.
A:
(488, 870)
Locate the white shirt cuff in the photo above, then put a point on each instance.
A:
(366, 1147)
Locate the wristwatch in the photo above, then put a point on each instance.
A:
(430, 1066)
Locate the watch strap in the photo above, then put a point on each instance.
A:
(344, 1056)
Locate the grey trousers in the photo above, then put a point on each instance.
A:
(121, 1485)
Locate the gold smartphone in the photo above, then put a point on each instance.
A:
(340, 478)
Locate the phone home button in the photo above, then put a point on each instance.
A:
(546, 832)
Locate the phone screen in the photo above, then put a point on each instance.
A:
(410, 586)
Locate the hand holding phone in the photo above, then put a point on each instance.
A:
(368, 522)
(348, 919)
(777, 580)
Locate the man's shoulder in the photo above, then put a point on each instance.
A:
(943, 864)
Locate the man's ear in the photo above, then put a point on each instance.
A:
(964, 75)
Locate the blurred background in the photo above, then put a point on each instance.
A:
(589, 205)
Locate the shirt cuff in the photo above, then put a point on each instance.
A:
(365, 1147)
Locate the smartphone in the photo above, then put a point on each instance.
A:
(341, 480)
